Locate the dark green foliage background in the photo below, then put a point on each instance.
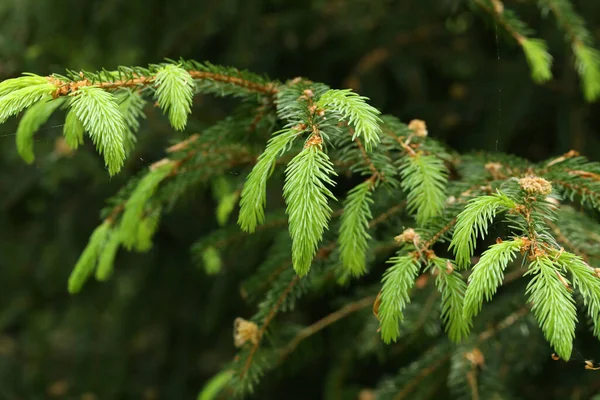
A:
(160, 327)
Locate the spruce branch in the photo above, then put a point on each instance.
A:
(125, 77)
(175, 90)
(32, 120)
(397, 282)
(452, 287)
(536, 50)
(20, 93)
(87, 262)
(360, 115)
(488, 275)
(424, 179)
(473, 222)
(306, 197)
(253, 197)
(99, 113)
(586, 280)
(73, 130)
(134, 207)
(586, 56)
(106, 258)
(323, 323)
(270, 316)
(353, 233)
(552, 305)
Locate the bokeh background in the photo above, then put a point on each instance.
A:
(160, 327)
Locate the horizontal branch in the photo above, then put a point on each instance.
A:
(65, 88)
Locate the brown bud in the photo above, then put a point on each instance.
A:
(418, 127)
(535, 185)
(244, 331)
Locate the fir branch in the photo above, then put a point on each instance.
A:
(306, 197)
(362, 116)
(488, 274)
(424, 179)
(397, 282)
(32, 120)
(99, 113)
(254, 193)
(553, 305)
(473, 222)
(353, 233)
(174, 92)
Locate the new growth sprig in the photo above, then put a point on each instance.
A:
(438, 229)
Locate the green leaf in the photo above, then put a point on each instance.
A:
(32, 120)
(353, 234)
(253, 198)
(553, 305)
(73, 130)
(100, 115)
(397, 282)
(135, 206)
(452, 287)
(424, 179)
(360, 114)
(87, 261)
(473, 222)
(306, 197)
(488, 275)
(175, 90)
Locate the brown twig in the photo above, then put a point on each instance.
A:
(325, 322)
(484, 336)
(265, 325)
(66, 88)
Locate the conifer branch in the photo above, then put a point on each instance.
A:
(270, 316)
(65, 87)
(587, 57)
(488, 275)
(424, 179)
(473, 222)
(553, 305)
(353, 234)
(324, 322)
(306, 197)
(536, 50)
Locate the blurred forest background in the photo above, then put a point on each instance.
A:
(160, 327)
